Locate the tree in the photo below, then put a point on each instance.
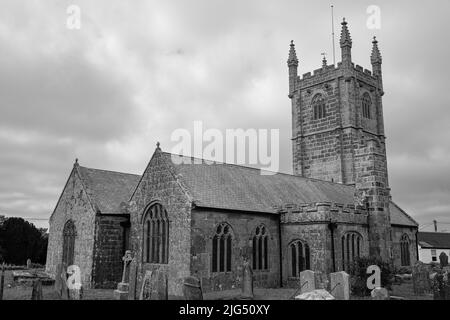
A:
(21, 240)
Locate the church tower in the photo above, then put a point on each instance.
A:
(338, 131)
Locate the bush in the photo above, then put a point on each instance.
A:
(358, 274)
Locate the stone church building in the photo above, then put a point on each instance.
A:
(188, 216)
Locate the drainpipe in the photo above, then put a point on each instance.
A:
(332, 226)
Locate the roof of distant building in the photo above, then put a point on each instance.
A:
(434, 240)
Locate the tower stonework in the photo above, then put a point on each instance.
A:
(338, 132)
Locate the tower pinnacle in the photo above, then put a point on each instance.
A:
(375, 57)
(292, 59)
(346, 40)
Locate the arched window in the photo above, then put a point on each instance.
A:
(319, 109)
(156, 235)
(299, 252)
(260, 249)
(351, 248)
(366, 105)
(69, 234)
(404, 251)
(221, 248)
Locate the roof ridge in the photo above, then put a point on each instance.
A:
(404, 212)
(111, 171)
(258, 169)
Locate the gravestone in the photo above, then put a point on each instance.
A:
(154, 286)
(307, 281)
(421, 278)
(2, 281)
(36, 293)
(64, 288)
(192, 289)
(340, 287)
(319, 294)
(28, 263)
(133, 280)
(58, 286)
(379, 294)
(123, 287)
(443, 259)
(247, 281)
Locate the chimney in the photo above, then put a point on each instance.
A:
(435, 225)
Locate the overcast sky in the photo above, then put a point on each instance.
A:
(138, 70)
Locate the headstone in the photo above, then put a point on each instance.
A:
(36, 293)
(133, 280)
(443, 259)
(307, 281)
(441, 286)
(319, 294)
(28, 263)
(154, 286)
(64, 288)
(58, 286)
(421, 278)
(122, 291)
(192, 289)
(2, 281)
(247, 281)
(379, 294)
(340, 287)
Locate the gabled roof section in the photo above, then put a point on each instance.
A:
(400, 217)
(434, 240)
(233, 187)
(107, 190)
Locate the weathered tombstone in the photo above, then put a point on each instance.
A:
(247, 281)
(379, 294)
(58, 285)
(192, 289)
(123, 287)
(154, 286)
(2, 281)
(443, 259)
(36, 293)
(28, 263)
(133, 280)
(319, 294)
(421, 278)
(307, 281)
(64, 288)
(340, 287)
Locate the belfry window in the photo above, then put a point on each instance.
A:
(300, 259)
(156, 235)
(221, 248)
(366, 105)
(318, 105)
(404, 251)
(260, 249)
(351, 248)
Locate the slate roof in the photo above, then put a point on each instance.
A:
(434, 240)
(228, 186)
(400, 217)
(108, 189)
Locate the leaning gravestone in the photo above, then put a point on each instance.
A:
(192, 289)
(64, 288)
(154, 286)
(340, 287)
(307, 281)
(421, 278)
(28, 263)
(379, 294)
(247, 281)
(133, 280)
(36, 293)
(443, 259)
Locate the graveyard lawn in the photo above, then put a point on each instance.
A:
(22, 292)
